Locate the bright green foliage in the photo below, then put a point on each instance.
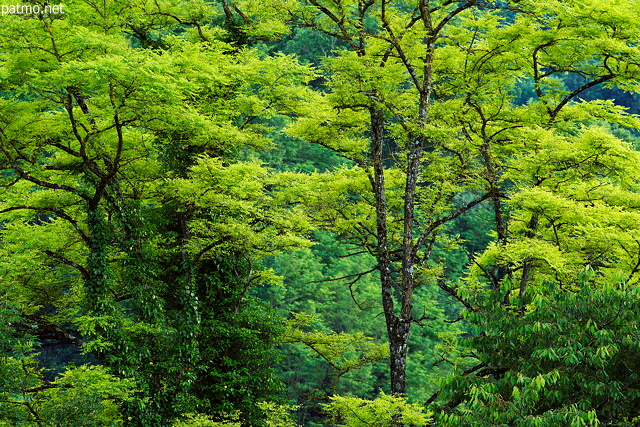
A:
(343, 352)
(574, 206)
(85, 396)
(136, 216)
(128, 223)
(384, 411)
(276, 416)
(82, 396)
(201, 420)
(427, 99)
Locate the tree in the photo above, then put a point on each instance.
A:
(567, 359)
(381, 412)
(334, 348)
(422, 101)
(130, 228)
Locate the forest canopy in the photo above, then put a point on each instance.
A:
(303, 212)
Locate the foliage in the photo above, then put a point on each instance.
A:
(276, 416)
(130, 227)
(383, 411)
(311, 285)
(201, 420)
(566, 358)
(80, 396)
(560, 185)
(424, 101)
(139, 223)
(329, 306)
(85, 396)
(343, 352)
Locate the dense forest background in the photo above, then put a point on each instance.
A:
(305, 212)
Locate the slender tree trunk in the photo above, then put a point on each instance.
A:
(398, 340)
(397, 334)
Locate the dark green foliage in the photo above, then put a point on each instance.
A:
(238, 334)
(310, 46)
(97, 276)
(292, 154)
(626, 99)
(306, 289)
(568, 355)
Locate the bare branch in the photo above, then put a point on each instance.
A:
(358, 275)
(434, 225)
(579, 90)
(68, 262)
(451, 291)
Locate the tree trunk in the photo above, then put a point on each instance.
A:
(397, 331)
(398, 340)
